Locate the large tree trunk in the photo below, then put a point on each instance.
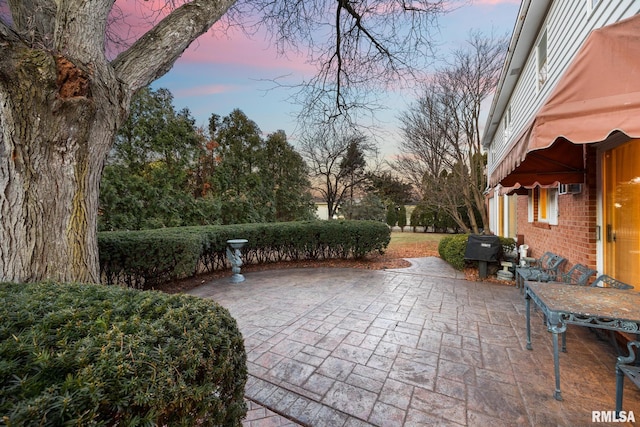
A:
(61, 103)
(58, 122)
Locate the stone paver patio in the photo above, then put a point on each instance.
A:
(410, 347)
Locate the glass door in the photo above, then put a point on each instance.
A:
(621, 173)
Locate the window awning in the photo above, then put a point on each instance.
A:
(598, 95)
(562, 162)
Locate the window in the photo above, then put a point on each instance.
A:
(543, 205)
(541, 54)
(592, 4)
(543, 198)
(507, 124)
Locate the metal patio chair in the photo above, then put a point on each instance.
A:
(605, 281)
(625, 367)
(579, 275)
(544, 269)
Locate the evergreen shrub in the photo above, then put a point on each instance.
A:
(452, 249)
(143, 259)
(73, 354)
(402, 217)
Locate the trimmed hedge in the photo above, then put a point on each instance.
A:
(75, 354)
(452, 249)
(143, 259)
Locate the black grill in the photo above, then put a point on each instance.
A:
(483, 248)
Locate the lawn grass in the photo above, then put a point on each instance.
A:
(407, 237)
(413, 245)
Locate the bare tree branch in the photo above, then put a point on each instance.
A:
(366, 46)
(332, 174)
(441, 147)
(156, 51)
(64, 98)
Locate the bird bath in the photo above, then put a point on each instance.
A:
(235, 258)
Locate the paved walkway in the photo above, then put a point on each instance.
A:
(419, 346)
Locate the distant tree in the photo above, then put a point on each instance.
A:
(432, 217)
(237, 181)
(205, 165)
(389, 188)
(256, 179)
(353, 166)
(392, 215)
(402, 217)
(441, 149)
(165, 172)
(147, 180)
(64, 97)
(337, 166)
(417, 218)
(369, 208)
(284, 171)
(155, 131)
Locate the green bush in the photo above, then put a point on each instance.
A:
(96, 355)
(143, 259)
(272, 242)
(452, 249)
(508, 244)
(442, 245)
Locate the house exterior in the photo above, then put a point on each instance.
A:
(563, 134)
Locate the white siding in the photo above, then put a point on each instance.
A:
(493, 214)
(568, 24)
(322, 210)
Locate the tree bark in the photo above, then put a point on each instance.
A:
(58, 121)
(61, 103)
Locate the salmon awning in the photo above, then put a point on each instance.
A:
(598, 95)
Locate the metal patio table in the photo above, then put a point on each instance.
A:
(593, 307)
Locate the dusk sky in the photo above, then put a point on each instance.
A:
(218, 74)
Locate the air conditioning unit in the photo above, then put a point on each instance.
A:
(570, 189)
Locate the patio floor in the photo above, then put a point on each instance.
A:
(419, 346)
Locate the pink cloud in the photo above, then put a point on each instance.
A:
(237, 48)
(204, 90)
(217, 46)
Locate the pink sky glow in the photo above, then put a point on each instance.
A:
(220, 72)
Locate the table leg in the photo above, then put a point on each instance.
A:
(619, 389)
(555, 330)
(527, 299)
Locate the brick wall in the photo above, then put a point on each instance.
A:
(575, 235)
